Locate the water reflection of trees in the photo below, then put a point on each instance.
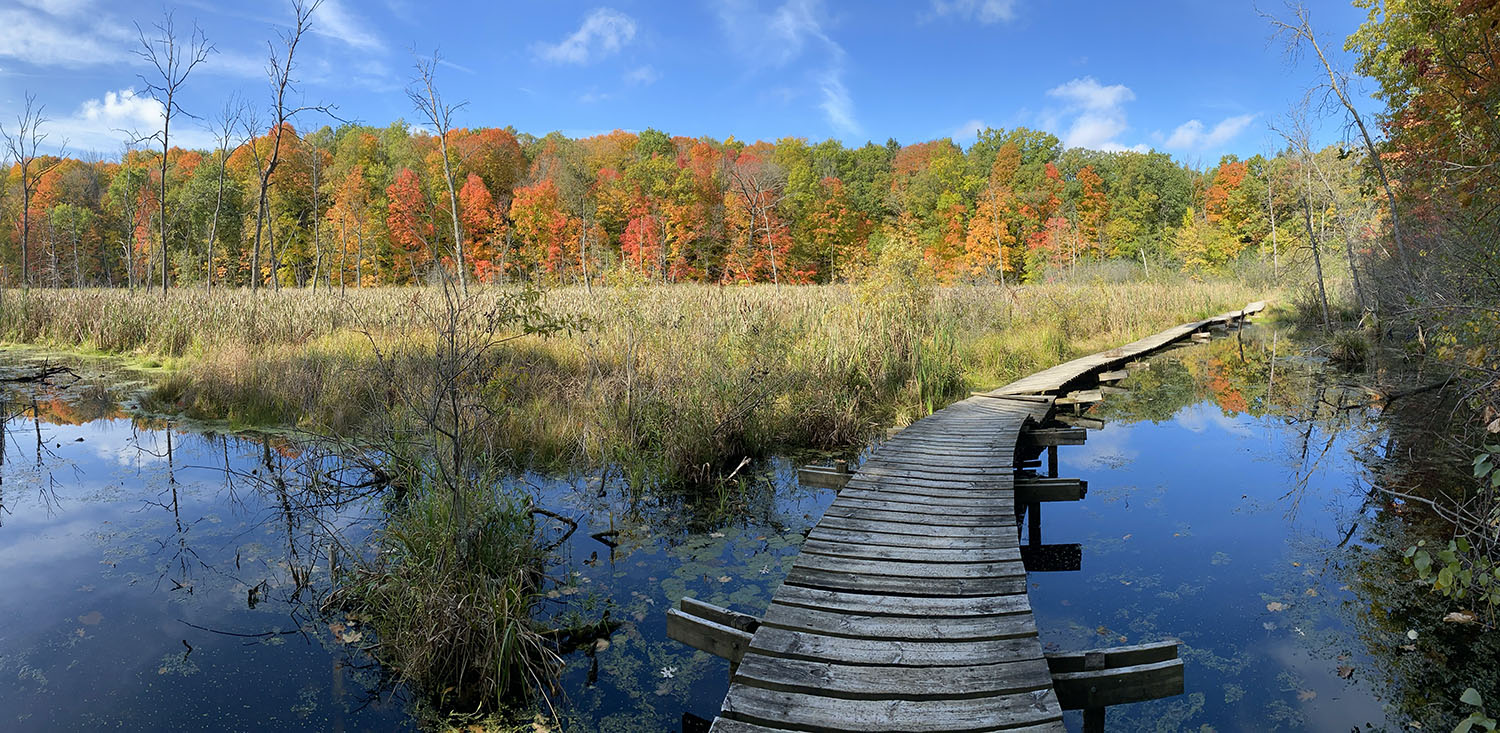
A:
(1401, 438)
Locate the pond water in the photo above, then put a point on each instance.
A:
(159, 576)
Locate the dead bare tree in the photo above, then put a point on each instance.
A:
(173, 62)
(424, 95)
(279, 69)
(22, 144)
(1295, 131)
(224, 125)
(1298, 32)
(761, 185)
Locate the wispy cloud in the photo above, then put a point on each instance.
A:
(968, 131)
(335, 21)
(603, 32)
(54, 34)
(1098, 113)
(784, 35)
(642, 76)
(984, 11)
(1192, 135)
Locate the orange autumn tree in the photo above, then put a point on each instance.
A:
(545, 229)
(991, 236)
(409, 222)
(482, 224)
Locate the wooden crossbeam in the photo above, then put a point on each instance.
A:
(823, 477)
(1093, 680)
(706, 627)
(1030, 489)
(1055, 436)
(1092, 423)
(1052, 558)
(1114, 376)
(1081, 397)
(1111, 389)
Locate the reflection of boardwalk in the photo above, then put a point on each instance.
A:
(907, 609)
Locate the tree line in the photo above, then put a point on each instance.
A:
(353, 205)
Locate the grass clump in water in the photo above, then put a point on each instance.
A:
(451, 596)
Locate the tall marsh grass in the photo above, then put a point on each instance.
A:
(684, 380)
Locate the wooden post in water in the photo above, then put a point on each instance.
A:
(1093, 718)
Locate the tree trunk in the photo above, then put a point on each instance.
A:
(1312, 237)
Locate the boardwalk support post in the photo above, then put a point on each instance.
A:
(1093, 680)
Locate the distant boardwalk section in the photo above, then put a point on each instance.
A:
(906, 609)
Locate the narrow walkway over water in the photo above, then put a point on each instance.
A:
(907, 609)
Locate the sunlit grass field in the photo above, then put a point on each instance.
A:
(682, 380)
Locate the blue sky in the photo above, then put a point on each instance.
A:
(1196, 79)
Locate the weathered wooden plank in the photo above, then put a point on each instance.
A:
(818, 713)
(822, 478)
(1031, 489)
(879, 605)
(1116, 656)
(705, 635)
(719, 615)
(910, 554)
(725, 725)
(860, 682)
(1005, 568)
(1117, 686)
(1081, 397)
(904, 586)
(1055, 436)
(861, 524)
(998, 519)
(926, 508)
(932, 497)
(902, 628)
(811, 646)
(1114, 376)
(1092, 423)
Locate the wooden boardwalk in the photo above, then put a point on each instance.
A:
(906, 609)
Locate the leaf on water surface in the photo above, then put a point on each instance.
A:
(601, 644)
(1296, 564)
(92, 618)
(715, 534)
(1128, 536)
(1305, 695)
(1412, 634)
(1269, 626)
(1310, 592)
(351, 637)
(1459, 617)
(725, 578)
(1345, 671)
(1471, 696)
(1276, 606)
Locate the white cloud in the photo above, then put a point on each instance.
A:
(603, 32)
(1099, 113)
(642, 76)
(1191, 135)
(969, 131)
(47, 39)
(984, 11)
(335, 21)
(104, 125)
(784, 35)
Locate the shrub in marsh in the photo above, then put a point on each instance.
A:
(1349, 349)
(451, 597)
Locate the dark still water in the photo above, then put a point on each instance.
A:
(1229, 506)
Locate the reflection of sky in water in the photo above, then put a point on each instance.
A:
(1209, 528)
(103, 588)
(1195, 527)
